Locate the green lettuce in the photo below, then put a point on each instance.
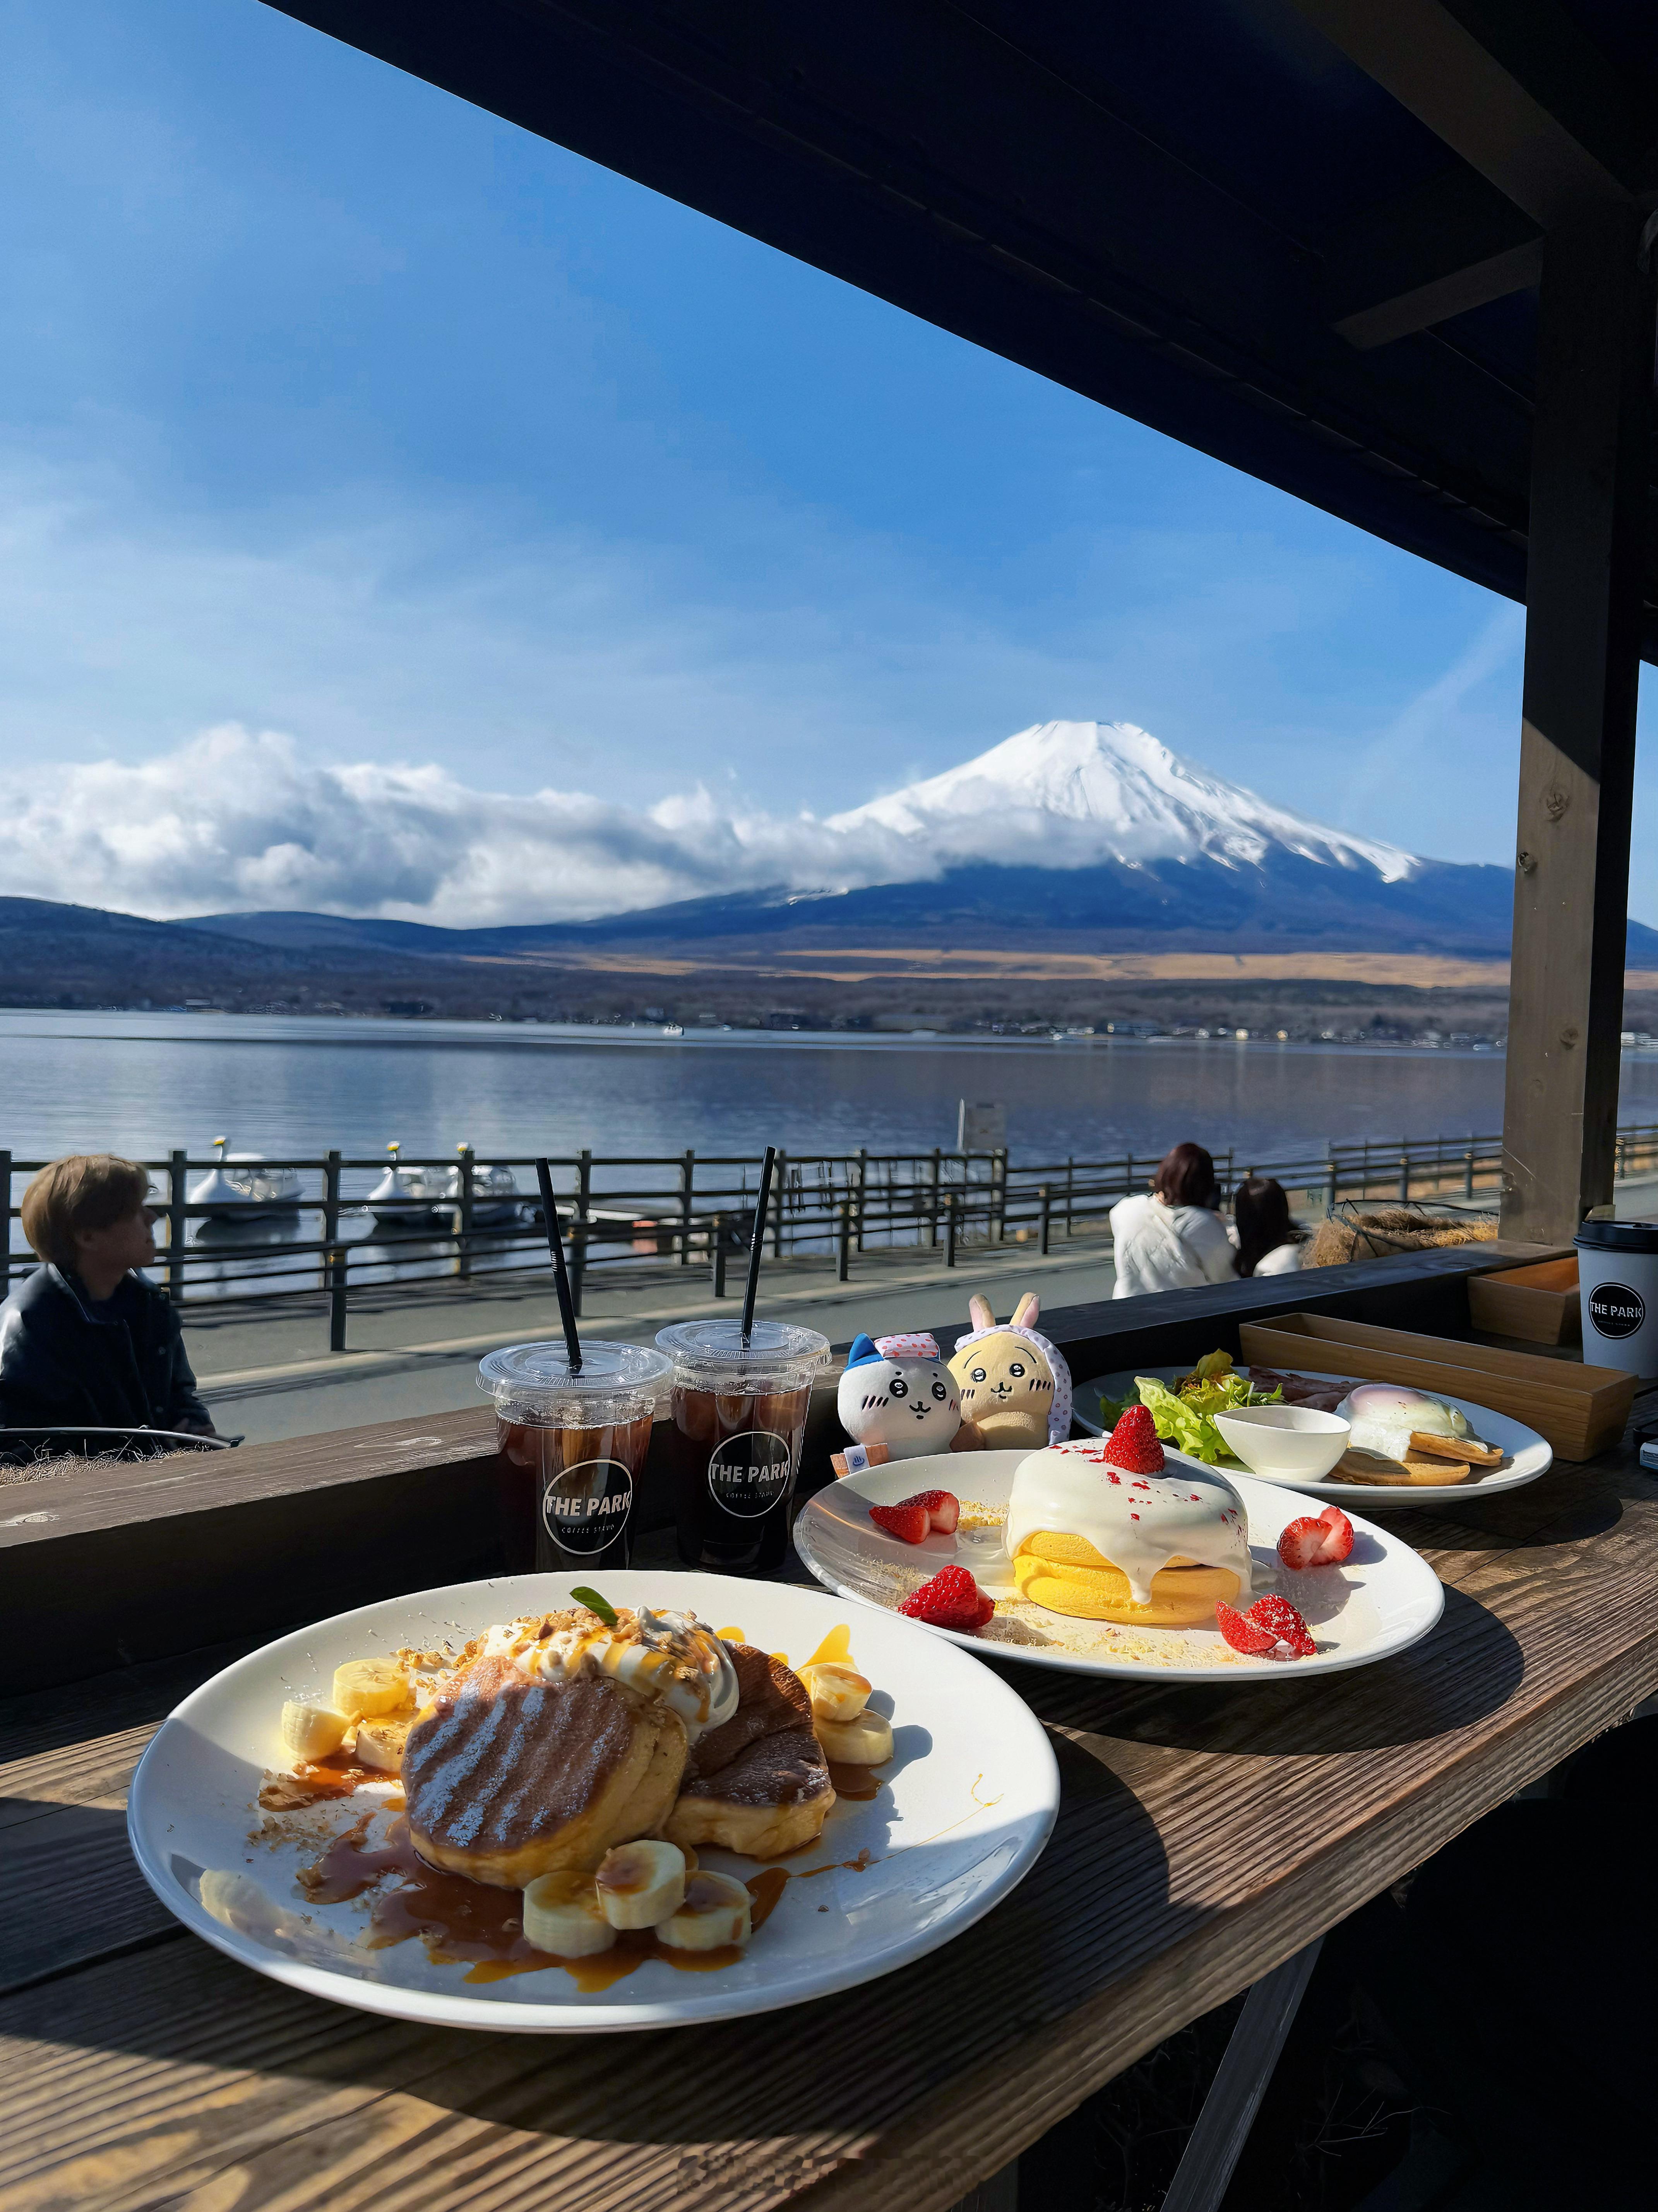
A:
(1186, 1419)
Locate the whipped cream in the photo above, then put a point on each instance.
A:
(667, 1655)
(1140, 1522)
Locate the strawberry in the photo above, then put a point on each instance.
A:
(1339, 1544)
(1132, 1444)
(1244, 1635)
(944, 1510)
(951, 1600)
(1277, 1615)
(909, 1522)
(1302, 1544)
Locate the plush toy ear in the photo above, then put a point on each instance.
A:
(1025, 1313)
(978, 1312)
(862, 1349)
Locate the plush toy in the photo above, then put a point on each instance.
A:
(896, 1400)
(1015, 1387)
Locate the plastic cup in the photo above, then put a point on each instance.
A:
(739, 1415)
(572, 1448)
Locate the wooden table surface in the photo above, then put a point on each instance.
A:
(1204, 1835)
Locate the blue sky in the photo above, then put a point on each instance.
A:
(333, 408)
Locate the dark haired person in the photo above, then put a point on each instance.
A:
(1172, 1239)
(85, 1338)
(1267, 1241)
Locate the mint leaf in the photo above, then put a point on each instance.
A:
(594, 1603)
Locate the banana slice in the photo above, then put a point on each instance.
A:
(364, 1687)
(562, 1915)
(312, 1731)
(837, 1692)
(642, 1883)
(866, 1742)
(380, 1744)
(715, 1912)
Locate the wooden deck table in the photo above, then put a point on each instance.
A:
(1204, 1837)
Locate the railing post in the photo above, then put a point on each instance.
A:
(584, 1184)
(1330, 1154)
(5, 1186)
(175, 1228)
(717, 1264)
(687, 1196)
(463, 1245)
(949, 1228)
(863, 1179)
(336, 1296)
(999, 1193)
(1467, 1168)
(1404, 1170)
(578, 1262)
(779, 1184)
(843, 1244)
(1046, 1216)
(1070, 1195)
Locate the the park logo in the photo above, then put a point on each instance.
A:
(750, 1473)
(586, 1507)
(1616, 1309)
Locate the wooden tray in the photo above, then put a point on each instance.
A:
(1539, 1304)
(1580, 1410)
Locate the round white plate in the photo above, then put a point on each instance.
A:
(1383, 1599)
(1528, 1455)
(968, 1801)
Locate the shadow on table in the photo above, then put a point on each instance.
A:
(1468, 1666)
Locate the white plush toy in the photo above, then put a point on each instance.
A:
(897, 1400)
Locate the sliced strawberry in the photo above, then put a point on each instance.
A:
(987, 1609)
(1302, 1544)
(951, 1600)
(1278, 1616)
(1339, 1543)
(943, 1509)
(1132, 1444)
(911, 1524)
(1244, 1635)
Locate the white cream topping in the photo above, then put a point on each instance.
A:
(649, 1652)
(1138, 1522)
(1384, 1415)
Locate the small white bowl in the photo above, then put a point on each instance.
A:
(1285, 1444)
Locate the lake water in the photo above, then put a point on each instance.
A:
(142, 1084)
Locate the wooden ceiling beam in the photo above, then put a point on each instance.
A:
(1452, 244)
(1512, 86)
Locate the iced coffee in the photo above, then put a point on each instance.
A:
(740, 1417)
(571, 1451)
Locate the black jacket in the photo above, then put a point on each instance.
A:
(61, 1362)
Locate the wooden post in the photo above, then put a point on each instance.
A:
(863, 1179)
(336, 1297)
(464, 1241)
(1046, 1212)
(1585, 571)
(933, 1199)
(779, 1184)
(843, 1244)
(717, 1264)
(5, 1185)
(687, 1200)
(949, 1228)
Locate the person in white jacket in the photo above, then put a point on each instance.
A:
(1172, 1239)
(1266, 1239)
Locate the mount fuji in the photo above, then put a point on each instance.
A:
(1087, 837)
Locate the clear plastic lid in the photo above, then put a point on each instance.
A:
(533, 1382)
(712, 1355)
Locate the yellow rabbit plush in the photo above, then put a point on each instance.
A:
(1015, 1385)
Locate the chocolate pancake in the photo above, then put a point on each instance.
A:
(759, 1783)
(507, 1779)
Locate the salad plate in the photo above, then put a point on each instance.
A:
(1526, 1455)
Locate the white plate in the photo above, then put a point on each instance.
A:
(1527, 1454)
(1383, 1599)
(968, 1801)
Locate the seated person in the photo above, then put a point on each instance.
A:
(1266, 1239)
(85, 1338)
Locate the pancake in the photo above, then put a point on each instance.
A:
(507, 1779)
(1097, 1540)
(758, 1783)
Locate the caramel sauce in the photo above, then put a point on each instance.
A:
(465, 1922)
(859, 1784)
(836, 1650)
(315, 1781)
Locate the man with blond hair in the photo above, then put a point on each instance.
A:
(85, 1339)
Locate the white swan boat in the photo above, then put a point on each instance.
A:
(239, 1185)
(413, 1196)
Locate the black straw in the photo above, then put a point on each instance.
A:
(756, 1238)
(555, 1246)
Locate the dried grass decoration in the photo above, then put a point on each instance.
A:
(1349, 1235)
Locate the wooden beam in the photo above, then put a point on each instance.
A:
(1513, 86)
(1589, 529)
(1418, 258)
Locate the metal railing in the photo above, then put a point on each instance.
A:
(691, 1209)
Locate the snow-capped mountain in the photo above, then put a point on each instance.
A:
(1104, 791)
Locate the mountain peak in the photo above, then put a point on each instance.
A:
(1110, 791)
